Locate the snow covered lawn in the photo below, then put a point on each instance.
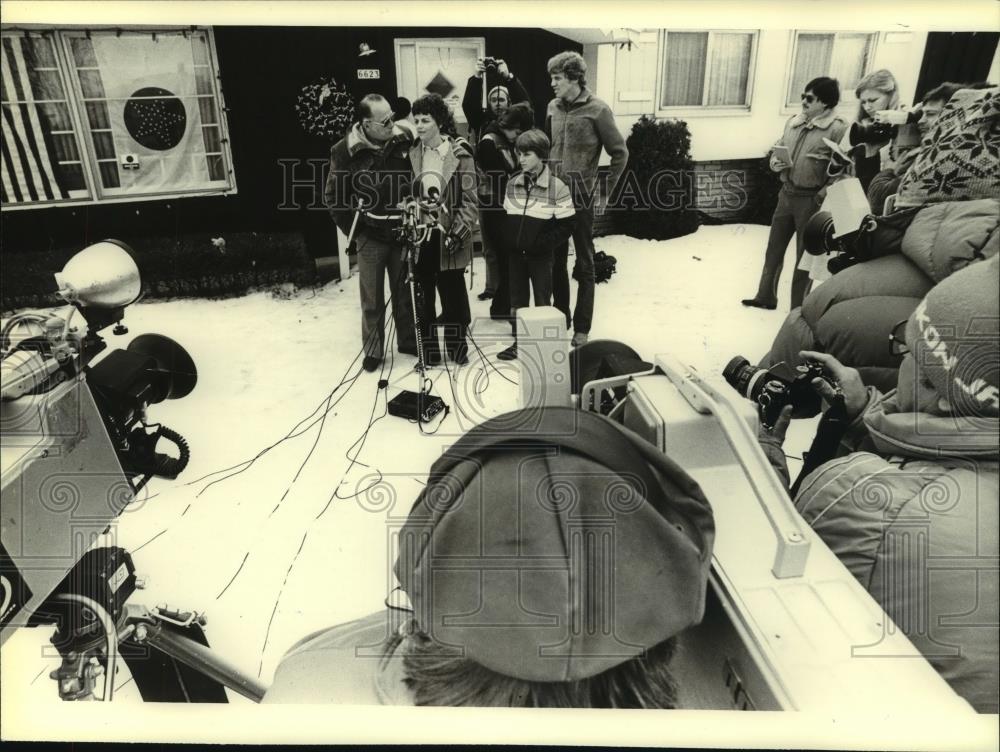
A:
(281, 523)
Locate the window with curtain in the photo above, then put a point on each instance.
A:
(845, 56)
(100, 115)
(707, 68)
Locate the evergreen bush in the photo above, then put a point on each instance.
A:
(655, 197)
(177, 267)
(764, 197)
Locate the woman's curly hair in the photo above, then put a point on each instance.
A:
(437, 108)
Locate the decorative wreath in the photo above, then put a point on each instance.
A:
(325, 109)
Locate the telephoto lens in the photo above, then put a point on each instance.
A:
(872, 133)
(742, 376)
(817, 237)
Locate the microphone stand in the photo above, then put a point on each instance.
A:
(415, 233)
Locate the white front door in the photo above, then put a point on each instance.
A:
(442, 66)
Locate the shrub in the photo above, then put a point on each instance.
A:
(655, 197)
(763, 198)
(185, 266)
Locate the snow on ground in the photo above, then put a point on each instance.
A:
(298, 539)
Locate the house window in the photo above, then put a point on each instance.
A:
(107, 115)
(845, 56)
(707, 68)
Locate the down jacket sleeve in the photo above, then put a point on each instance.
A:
(920, 536)
(851, 314)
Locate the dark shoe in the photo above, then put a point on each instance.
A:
(432, 354)
(459, 352)
(509, 354)
(370, 363)
(755, 303)
(485, 295)
(458, 348)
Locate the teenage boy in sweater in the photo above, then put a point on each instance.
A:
(540, 218)
(580, 125)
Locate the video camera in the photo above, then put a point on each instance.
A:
(77, 448)
(880, 133)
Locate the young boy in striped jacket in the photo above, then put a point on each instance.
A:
(539, 215)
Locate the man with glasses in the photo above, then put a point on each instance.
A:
(910, 505)
(369, 175)
(801, 156)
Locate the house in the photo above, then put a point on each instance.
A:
(735, 88)
(167, 136)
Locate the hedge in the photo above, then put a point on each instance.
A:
(176, 267)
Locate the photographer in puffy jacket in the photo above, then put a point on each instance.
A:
(910, 504)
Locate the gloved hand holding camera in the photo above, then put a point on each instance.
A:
(846, 383)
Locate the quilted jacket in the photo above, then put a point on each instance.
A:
(851, 315)
(913, 516)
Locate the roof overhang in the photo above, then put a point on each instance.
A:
(598, 36)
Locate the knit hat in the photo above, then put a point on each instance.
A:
(519, 116)
(957, 160)
(499, 90)
(558, 551)
(954, 335)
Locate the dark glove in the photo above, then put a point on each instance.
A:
(352, 248)
(456, 237)
(452, 243)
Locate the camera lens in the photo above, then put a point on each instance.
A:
(871, 133)
(738, 373)
(817, 237)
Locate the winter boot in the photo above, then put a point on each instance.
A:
(509, 354)
(457, 346)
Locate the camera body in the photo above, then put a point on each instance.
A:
(775, 387)
(880, 133)
(491, 62)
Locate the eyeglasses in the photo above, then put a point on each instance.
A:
(897, 339)
(384, 123)
(808, 98)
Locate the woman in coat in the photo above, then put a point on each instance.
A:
(444, 171)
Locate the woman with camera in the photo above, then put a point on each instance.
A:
(801, 156)
(444, 174)
(869, 139)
